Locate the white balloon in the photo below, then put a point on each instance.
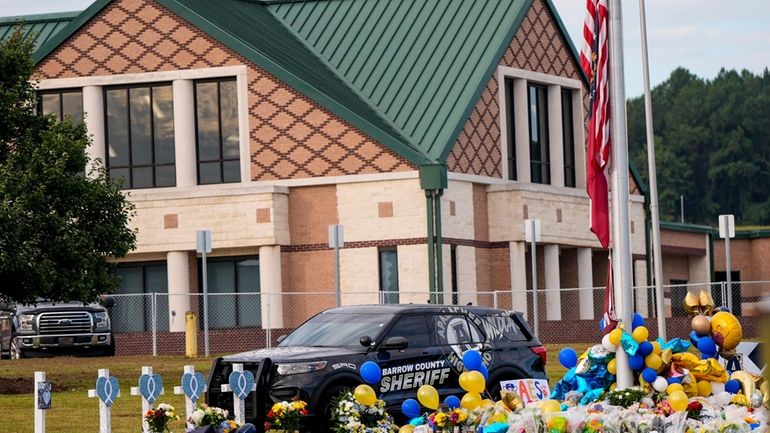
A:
(717, 387)
(724, 398)
(660, 384)
(607, 345)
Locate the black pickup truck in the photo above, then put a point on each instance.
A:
(46, 328)
(414, 345)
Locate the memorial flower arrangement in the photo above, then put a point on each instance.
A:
(286, 415)
(213, 416)
(158, 419)
(350, 416)
(449, 420)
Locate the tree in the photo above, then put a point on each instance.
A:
(59, 226)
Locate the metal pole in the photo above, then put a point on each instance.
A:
(681, 201)
(154, 304)
(431, 244)
(729, 277)
(622, 275)
(657, 256)
(205, 306)
(439, 250)
(533, 253)
(337, 272)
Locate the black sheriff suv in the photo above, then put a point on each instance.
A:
(414, 345)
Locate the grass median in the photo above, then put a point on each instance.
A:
(73, 411)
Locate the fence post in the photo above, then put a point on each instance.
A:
(154, 304)
(494, 299)
(723, 289)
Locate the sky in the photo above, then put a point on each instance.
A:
(700, 35)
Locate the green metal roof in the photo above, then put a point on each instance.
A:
(406, 72)
(42, 27)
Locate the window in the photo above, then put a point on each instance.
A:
(454, 330)
(389, 276)
(216, 121)
(140, 135)
(568, 138)
(133, 305)
(414, 328)
(233, 286)
(510, 129)
(62, 103)
(538, 134)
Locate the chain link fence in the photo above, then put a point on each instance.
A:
(157, 323)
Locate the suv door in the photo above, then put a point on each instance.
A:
(455, 334)
(404, 371)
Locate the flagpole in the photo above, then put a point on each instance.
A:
(621, 259)
(657, 260)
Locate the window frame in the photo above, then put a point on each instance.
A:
(543, 142)
(383, 293)
(568, 138)
(127, 87)
(510, 131)
(163, 325)
(221, 160)
(60, 92)
(237, 313)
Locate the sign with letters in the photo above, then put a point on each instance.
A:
(529, 390)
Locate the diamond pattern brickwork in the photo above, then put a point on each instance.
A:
(290, 135)
(537, 46)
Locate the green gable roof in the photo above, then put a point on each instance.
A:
(406, 72)
(42, 27)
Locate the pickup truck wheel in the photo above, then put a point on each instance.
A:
(16, 352)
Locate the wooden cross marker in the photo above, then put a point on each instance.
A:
(150, 388)
(107, 390)
(241, 384)
(193, 387)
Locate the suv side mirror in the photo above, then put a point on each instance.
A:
(107, 301)
(395, 343)
(281, 338)
(366, 341)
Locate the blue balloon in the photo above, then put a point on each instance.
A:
(674, 379)
(370, 372)
(636, 362)
(452, 402)
(410, 408)
(695, 338)
(472, 360)
(707, 346)
(602, 325)
(708, 355)
(732, 386)
(484, 371)
(638, 321)
(649, 375)
(568, 357)
(645, 348)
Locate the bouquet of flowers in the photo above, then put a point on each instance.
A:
(449, 420)
(286, 415)
(213, 416)
(159, 418)
(350, 416)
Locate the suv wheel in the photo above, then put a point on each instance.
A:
(324, 423)
(16, 352)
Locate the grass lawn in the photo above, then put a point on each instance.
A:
(74, 412)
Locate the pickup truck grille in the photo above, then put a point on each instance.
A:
(64, 322)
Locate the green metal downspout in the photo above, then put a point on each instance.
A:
(431, 244)
(439, 250)
(433, 179)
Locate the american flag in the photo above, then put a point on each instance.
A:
(595, 63)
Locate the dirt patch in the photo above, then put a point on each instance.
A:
(20, 385)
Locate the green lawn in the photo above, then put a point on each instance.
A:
(73, 411)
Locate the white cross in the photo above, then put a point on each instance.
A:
(189, 405)
(145, 404)
(239, 408)
(105, 413)
(39, 413)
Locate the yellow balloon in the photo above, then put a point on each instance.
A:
(474, 382)
(653, 361)
(487, 403)
(612, 366)
(408, 428)
(674, 387)
(640, 334)
(365, 395)
(704, 388)
(656, 347)
(615, 336)
(550, 406)
(428, 396)
(726, 330)
(678, 401)
(471, 400)
(614, 386)
(464, 380)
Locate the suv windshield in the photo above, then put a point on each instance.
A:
(337, 330)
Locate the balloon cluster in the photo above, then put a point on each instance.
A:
(371, 374)
(719, 333)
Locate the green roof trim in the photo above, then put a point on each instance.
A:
(42, 27)
(689, 228)
(69, 30)
(638, 177)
